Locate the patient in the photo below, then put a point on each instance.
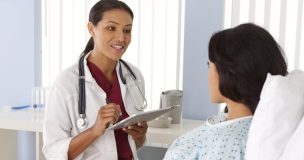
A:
(239, 60)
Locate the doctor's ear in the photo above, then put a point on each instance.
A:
(91, 27)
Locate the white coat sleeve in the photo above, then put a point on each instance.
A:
(57, 126)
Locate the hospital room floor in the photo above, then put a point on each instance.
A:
(152, 153)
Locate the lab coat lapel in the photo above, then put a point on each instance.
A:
(91, 81)
(123, 88)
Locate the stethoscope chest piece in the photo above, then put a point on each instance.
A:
(82, 122)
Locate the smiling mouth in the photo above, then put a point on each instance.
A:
(118, 47)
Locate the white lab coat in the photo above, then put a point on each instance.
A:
(61, 115)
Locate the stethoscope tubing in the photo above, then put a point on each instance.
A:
(82, 98)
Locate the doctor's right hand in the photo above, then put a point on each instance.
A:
(106, 115)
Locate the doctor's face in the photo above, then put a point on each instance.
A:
(112, 35)
(213, 78)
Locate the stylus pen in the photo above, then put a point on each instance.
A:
(107, 101)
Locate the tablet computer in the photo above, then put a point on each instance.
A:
(136, 118)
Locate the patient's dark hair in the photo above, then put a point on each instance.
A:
(243, 56)
(96, 15)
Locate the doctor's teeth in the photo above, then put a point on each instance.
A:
(117, 46)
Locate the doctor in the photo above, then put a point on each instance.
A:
(97, 91)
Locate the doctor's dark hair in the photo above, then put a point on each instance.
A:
(96, 15)
(243, 56)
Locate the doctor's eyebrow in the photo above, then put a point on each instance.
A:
(118, 23)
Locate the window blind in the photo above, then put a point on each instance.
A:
(282, 18)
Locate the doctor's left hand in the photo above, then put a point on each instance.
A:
(138, 132)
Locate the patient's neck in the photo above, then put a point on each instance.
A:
(237, 110)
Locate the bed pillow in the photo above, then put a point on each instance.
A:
(294, 147)
(277, 116)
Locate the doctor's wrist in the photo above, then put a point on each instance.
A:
(94, 133)
(140, 142)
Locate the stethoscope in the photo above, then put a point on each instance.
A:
(82, 121)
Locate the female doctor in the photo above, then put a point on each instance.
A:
(97, 91)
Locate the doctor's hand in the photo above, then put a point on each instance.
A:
(138, 132)
(106, 115)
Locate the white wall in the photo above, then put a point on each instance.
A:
(202, 18)
(17, 70)
(17, 46)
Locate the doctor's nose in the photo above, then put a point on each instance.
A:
(120, 36)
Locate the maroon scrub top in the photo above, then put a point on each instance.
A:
(113, 92)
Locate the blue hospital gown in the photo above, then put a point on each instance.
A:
(217, 139)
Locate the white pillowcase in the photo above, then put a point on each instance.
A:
(294, 148)
(276, 124)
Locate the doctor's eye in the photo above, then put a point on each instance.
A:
(111, 28)
(127, 30)
(208, 64)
